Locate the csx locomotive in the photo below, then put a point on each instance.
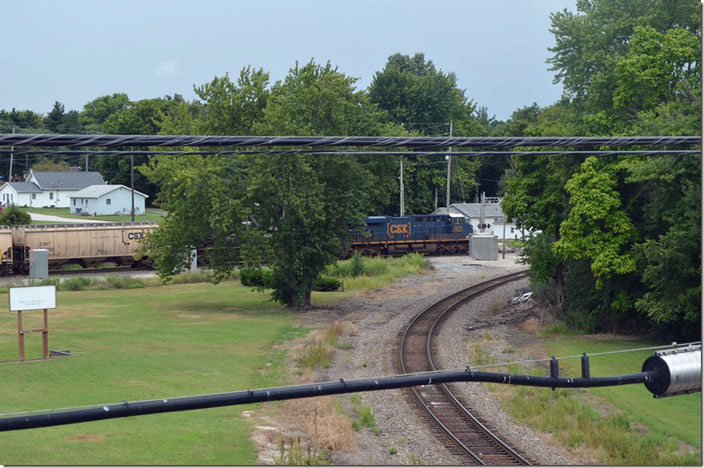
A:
(397, 235)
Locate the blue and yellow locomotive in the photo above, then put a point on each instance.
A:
(398, 235)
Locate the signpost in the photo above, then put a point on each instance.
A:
(33, 298)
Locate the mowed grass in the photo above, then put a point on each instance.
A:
(150, 215)
(621, 425)
(140, 344)
(678, 416)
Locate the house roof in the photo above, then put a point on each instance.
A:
(71, 180)
(97, 191)
(25, 187)
(471, 210)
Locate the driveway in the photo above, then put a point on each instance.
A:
(58, 219)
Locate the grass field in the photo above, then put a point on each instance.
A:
(142, 344)
(621, 425)
(150, 215)
(157, 341)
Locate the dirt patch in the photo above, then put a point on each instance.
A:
(86, 438)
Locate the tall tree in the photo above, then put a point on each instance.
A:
(54, 119)
(97, 111)
(425, 100)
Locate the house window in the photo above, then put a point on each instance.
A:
(107, 201)
(74, 202)
(51, 195)
(34, 196)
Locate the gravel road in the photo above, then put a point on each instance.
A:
(378, 317)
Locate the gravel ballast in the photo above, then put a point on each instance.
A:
(378, 317)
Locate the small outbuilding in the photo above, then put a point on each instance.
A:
(107, 200)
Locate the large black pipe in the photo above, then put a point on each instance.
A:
(165, 405)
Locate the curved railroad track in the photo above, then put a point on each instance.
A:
(462, 433)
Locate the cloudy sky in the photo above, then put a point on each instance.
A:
(74, 51)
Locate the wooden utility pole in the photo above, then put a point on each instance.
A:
(401, 201)
(449, 165)
(132, 182)
(12, 157)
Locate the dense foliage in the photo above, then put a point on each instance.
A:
(620, 236)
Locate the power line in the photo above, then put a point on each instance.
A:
(355, 152)
(411, 142)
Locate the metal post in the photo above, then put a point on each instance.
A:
(585, 366)
(20, 334)
(132, 182)
(504, 254)
(45, 337)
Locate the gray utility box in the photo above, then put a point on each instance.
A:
(485, 247)
(38, 263)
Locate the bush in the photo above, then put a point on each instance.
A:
(356, 265)
(75, 284)
(122, 282)
(326, 283)
(257, 277)
(13, 215)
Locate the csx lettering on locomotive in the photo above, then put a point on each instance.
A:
(398, 228)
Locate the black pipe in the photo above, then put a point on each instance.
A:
(165, 405)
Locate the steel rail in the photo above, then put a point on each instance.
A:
(449, 304)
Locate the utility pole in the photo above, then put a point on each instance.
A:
(449, 165)
(86, 163)
(401, 201)
(12, 157)
(131, 180)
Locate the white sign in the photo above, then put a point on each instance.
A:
(33, 298)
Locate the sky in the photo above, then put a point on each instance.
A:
(74, 51)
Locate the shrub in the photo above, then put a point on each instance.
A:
(13, 215)
(121, 282)
(326, 283)
(75, 284)
(356, 265)
(257, 277)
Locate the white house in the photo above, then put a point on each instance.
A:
(19, 193)
(493, 218)
(48, 189)
(107, 200)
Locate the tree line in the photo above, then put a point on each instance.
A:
(618, 237)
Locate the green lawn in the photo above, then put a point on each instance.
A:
(678, 416)
(142, 344)
(150, 215)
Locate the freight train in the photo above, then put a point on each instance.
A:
(87, 245)
(398, 235)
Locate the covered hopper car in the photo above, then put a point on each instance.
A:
(84, 244)
(397, 235)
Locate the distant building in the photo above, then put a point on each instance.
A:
(107, 200)
(493, 218)
(48, 189)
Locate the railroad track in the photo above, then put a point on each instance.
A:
(461, 432)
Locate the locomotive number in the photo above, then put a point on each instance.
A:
(135, 235)
(398, 229)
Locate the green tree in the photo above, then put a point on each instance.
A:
(425, 100)
(97, 111)
(13, 215)
(54, 119)
(204, 213)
